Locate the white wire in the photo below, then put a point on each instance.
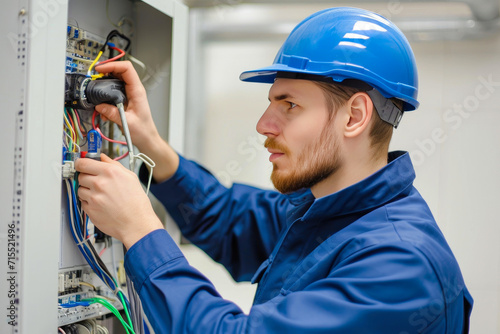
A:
(133, 298)
(107, 15)
(67, 145)
(141, 64)
(135, 303)
(128, 139)
(83, 242)
(141, 156)
(102, 330)
(151, 164)
(113, 260)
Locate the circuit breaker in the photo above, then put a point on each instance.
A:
(46, 281)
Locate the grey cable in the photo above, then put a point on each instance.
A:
(128, 139)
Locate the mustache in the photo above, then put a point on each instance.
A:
(274, 144)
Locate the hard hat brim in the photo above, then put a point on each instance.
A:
(268, 75)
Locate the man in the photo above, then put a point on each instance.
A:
(348, 246)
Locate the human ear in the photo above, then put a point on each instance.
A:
(360, 110)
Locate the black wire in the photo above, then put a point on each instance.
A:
(112, 34)
(69, 329)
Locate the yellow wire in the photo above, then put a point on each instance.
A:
(68, 125)
(88, 284)
(75, 120)
(97, 76)
(94, 62)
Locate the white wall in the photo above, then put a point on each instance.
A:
(456, 153)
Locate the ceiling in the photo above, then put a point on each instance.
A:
(420, 20)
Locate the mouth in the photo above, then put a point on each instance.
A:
(275, 154)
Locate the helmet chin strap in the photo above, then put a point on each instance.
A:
(386, 109)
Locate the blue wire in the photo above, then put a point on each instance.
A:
(80, 247)
(87, 257)
(74, 304)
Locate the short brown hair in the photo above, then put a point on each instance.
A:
(337, 95)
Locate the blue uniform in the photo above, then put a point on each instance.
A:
(367, 259)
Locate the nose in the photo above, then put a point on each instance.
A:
(268, 124)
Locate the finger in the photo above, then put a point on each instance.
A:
(123, 70)
(86, 207)
(109, 112)
(105, 158)
(84, 194)
(88, 166)
(85, 180)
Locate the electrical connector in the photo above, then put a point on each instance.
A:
(68, 169)
(82, 92)
(60, 285)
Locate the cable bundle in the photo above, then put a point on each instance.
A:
(78, 228)
(75, 132)
(75, 137)
(112, 46)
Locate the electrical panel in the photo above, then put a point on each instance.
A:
(47, 281)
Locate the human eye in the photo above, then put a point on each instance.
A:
(292, 105)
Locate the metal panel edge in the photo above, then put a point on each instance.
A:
(164, 6)
(44, 103)
(179, 76)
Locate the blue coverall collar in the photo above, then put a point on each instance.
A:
(373, 191)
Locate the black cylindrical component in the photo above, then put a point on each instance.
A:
(110, 91)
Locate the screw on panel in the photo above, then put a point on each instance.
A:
(22, 12)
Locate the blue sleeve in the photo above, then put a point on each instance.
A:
(238, 227)
(383, 289)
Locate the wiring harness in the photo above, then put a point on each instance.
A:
(78, 222)
(97, 90)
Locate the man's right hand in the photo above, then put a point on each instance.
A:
(140, 121)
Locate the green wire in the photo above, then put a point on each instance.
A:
(77, 130)
(125, 309)
(127, 326)
(113, 309)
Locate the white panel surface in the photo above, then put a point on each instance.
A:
(31, 99)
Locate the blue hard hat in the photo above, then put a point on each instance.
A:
(348, 43)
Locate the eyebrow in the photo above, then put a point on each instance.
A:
(281, 97)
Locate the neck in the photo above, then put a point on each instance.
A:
(352, 170)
